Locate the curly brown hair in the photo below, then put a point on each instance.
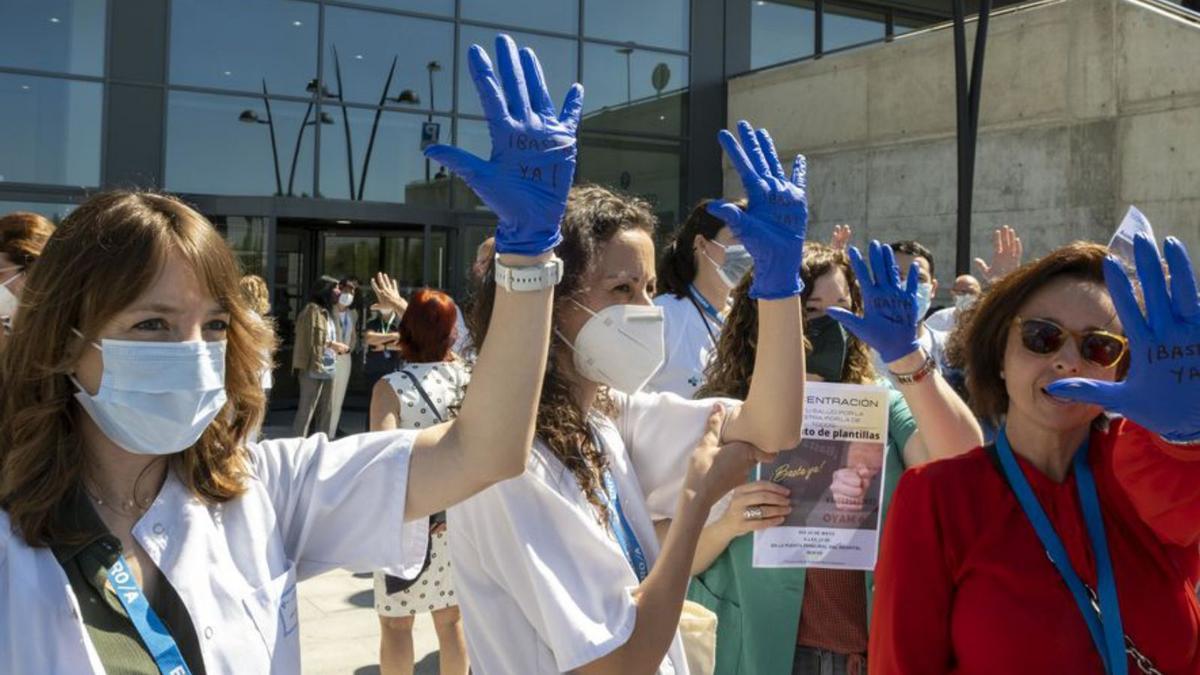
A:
(594, 216)
(100, 260)
(729, 372)
(981, 337)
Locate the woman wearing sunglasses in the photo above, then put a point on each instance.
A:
(1070, 545)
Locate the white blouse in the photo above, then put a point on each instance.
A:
(311, 505)
(690, 337)
(543, 586)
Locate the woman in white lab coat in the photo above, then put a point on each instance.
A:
(139, 531)
(560, 570)
(695, 275)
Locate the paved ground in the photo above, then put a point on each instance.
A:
(339, 630)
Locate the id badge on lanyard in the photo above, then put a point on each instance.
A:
(150, 628)
(620, 526)
(1104, 618)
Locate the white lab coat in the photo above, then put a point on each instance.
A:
(543, 587)
(311, 505)
(689, 337)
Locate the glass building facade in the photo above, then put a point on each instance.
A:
(297, 125)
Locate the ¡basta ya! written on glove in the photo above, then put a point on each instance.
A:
(532, 164)
(774, 224)
(890, 317)
(1162, 390)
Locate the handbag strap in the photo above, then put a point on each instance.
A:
(424, 395)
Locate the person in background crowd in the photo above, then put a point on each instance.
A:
(258, 299)
(381, 339)
(22, 236)
(815, 621)
(483, 258)
(1007, 251)
(314, 359)
(559, 570)
(965, 292)
(139, 531)
(1071, 544)
(695, 274)
(426, 392)
(840, 239)
(345, 320)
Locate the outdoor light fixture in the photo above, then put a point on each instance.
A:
(408, 96)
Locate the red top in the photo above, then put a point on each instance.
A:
(963, 584)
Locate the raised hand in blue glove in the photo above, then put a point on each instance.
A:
(1162, 390)
(890, 319)
(773, 226)
(527, 179)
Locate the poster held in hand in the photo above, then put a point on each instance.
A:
(836, 478)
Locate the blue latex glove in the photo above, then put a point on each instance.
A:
(1162, 390)
(773, 226)
(527, 179)
(890, 317)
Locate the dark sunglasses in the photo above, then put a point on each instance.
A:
(1043, 336)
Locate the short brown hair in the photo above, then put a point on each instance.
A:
(102, 258)
(978, 344)
(23, 235)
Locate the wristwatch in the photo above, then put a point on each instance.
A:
(529, 278)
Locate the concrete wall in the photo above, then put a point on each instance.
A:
(1088, 106)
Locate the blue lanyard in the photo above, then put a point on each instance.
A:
(150, 628)
(706, 305)
(1103, 618)
(621, 529)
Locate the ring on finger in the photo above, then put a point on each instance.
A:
(753, 513)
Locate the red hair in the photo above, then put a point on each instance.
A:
(427, 327)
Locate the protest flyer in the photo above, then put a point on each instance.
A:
(836, 480)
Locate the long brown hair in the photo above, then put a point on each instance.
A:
(594, 216)
(729, 372)
(981, 338)
(101, 259)
(23, 235)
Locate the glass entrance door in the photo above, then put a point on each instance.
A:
(306, 251)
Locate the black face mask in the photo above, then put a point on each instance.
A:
(828, 356)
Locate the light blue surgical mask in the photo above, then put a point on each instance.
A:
(737, 263)
(156, 398)
(924, 299)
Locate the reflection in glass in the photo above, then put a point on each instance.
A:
(351, 256)
(55, 212)
(247, 239)
(557, 56)
(634, 90)
(656, 23)
(212, 146)
(364, 43)
(396, 171)
(847, 26)
(62, 36)
(473, 137)
(651, 169)
(439, 7)
(236, 44)
(49, 131)
(780, 31)
(561, 16)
